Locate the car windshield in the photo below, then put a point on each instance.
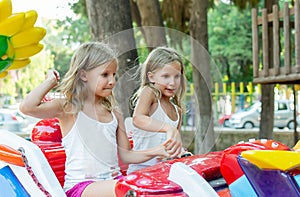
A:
(252, 107)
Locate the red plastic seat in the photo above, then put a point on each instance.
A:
(46, 134)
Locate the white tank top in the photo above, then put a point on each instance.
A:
(91, 151)
(147, 139)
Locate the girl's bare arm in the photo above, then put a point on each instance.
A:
(141, 116)
(133, 156)
(32, 104)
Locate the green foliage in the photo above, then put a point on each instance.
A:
(63, 36)
(230, 41)
(76, 30)
(79, 8)
(33, 74)
(8, 86)
(188, 67)
(244, 4)
(19, 82)
(56, 44)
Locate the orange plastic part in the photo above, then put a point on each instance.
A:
(10, 155)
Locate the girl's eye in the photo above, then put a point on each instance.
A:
(177, 76)
(104, 74)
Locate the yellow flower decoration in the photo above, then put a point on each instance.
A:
(19, 39)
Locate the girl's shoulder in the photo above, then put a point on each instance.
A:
(119, 116)
(62, 102)
(117, 112)
(149, 91)
(64, 106)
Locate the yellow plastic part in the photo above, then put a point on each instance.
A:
(17, 64)
(273, 159)
(6, 9)
(297, 146)
(30, 19)
(12, 25)
(28, 37)
(27, 51)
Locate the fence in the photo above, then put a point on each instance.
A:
(232, 97)
(231, 89)
(283, 69)
(227, 97)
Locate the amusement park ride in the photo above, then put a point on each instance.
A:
(254, 168)
(36, 167)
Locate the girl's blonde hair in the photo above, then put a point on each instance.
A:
(87, 57)
(157, 59)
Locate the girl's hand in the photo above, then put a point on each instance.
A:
(53, 76)
(160, 151)
(173, 144)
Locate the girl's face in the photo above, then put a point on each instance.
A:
(101, 79)
(167, 79)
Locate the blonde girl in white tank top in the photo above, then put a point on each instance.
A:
(158, 102)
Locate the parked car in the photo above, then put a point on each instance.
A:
(250, 117)
(224, 120)
(12, 120)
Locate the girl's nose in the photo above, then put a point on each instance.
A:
(112, 80)
(172, 81)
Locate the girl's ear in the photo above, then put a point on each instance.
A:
(150, 76)
(82, 75)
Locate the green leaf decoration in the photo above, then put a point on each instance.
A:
(3, 45)
(4, 64)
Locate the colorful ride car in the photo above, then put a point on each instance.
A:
(255, 168)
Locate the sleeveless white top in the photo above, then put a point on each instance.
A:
(147, 139)
(91, 151)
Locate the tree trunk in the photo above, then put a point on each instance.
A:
(267, 112)
(267, 97)
(204, 139)
(151, 17)
(111, 22)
